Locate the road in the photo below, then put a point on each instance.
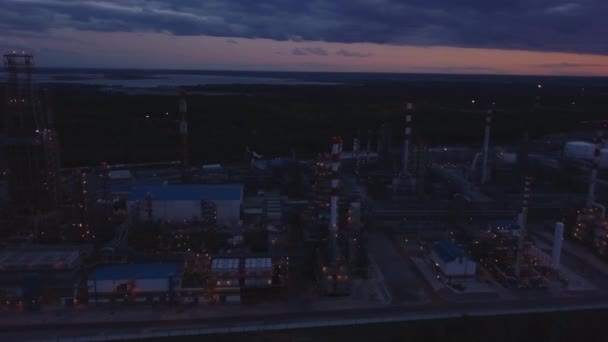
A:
(252, 322)
(399, 278)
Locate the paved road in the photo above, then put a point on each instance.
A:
(399, 278)
(124, 330)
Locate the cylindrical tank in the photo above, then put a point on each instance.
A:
(603, 162)
(579, 150)
(558, 236)
(585, 150)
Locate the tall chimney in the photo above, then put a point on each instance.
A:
(594, 167)
(409, 110)
(369, 145)
(522, 229)
(356, 154)
(558, 236)
(183, 130)
(335, 184)
(486, 144)
(522, 155)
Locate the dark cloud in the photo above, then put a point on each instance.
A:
(571, 65)
(347, 53)
(544, 25)
(301, 51)
(459, 69)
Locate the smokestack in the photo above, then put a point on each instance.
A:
(369, 145)
(594, 167)
(149, 206)
(558, 236)
(335, 183)
(356, 154)
(83, 198)
(486, 144)
(522, 223)
(522, 156)
(183, 129)
(409, 110)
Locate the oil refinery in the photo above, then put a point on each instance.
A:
(367, 224)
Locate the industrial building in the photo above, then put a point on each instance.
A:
(451, 260)
(326, 229)
(230, 274)
(137, 282)
(187, 202)
(120, 175)
(225, 274)
(39, 274)
(229, 277)
(273, 207)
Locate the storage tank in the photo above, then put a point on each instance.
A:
(603, 159)
(556, 252)
(578, 150)
(585, 150)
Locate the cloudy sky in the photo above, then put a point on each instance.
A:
(446, 36)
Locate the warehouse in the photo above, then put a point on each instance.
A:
(451, 261)
(225, 274)
(228, 274)
(39, 274)
(188, 202)
(134, 280)
(258, 272)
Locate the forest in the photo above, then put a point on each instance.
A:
(97, 125)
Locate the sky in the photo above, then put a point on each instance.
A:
(544, 37)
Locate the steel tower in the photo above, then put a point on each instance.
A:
(30, 142)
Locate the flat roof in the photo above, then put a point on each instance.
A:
(447, 250)
(130, 185)
(187, 192)
(135, 271)
(119, 174)
(220, 265)
(38, 259)
(258, 263)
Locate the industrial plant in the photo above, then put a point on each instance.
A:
(365, 223)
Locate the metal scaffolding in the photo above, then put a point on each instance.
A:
(30, 142)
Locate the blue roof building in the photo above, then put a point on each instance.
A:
(451, 260)
(447, 250)
(129, 186)
(220, 203)
(137, 279)
(186, 192)
(135, 271)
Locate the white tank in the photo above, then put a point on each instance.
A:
(579, 150)
(604, 158)
(585, 150)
